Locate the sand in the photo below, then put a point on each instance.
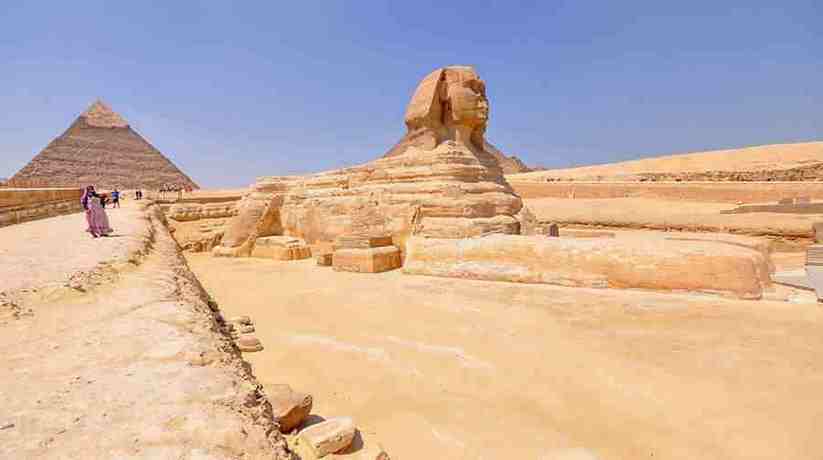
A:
(762, 157)
(49, 251)
(448, 369)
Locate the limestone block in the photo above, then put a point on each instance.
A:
(289, 407)
(184, 212)
(281, 248)
(660, 264)
(367, 452)
(362, 242)
(249, 343)
(324, 260)
(528, 222)
(371, 260)
(818, 232)
(322, 439)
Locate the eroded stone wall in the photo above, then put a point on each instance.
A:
(23, 205)
(720, 192)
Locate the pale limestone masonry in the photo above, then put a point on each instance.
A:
(281, 248)
(24, 205)
(101, 149)
(656, 264)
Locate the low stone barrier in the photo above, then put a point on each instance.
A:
(720, 192)
(183, 212)
(658, 264)
(24, 205)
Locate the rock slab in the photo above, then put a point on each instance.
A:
(371, 260)
(670, 265)
(281, 248)
(322, 439)
(290, 407)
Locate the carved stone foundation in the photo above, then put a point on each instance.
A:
(324, 260)
(369, 260)
(281, 248)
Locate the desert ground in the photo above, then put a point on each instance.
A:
(654, 309)
(440, 368)
(94, 331)
(756, 158)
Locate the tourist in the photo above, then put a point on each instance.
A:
(96, 216)
(85, 202)
(115, 199)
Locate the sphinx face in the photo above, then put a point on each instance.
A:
(466, 94)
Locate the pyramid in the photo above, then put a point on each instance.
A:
(509, 164)
(100, 149)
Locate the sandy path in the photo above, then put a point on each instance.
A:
(48, 251)
(762, 157)
(439, 368)
(131, 369)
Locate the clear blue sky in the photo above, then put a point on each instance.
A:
(234, 90)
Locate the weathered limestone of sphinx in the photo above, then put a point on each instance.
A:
(438, 181)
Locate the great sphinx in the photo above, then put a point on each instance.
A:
(438, 181)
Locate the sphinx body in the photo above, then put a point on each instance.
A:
(438, 181)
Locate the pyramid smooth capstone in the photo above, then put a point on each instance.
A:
(322, 439)
(281, 248)
(371, 260)
(249, 343)
(362, 241)
(289, 407)
(324, 260)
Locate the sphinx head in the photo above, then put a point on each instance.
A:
(449, 104)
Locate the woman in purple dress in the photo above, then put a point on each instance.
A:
(96, 216)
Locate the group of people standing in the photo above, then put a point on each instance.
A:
(96, 217)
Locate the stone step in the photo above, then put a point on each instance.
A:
(362, 241)
(814, 255)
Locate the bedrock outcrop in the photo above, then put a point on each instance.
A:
(658, 264)
(439, 181)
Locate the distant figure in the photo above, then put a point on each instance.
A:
(115, 199)
(138, 194)
(179, 192)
